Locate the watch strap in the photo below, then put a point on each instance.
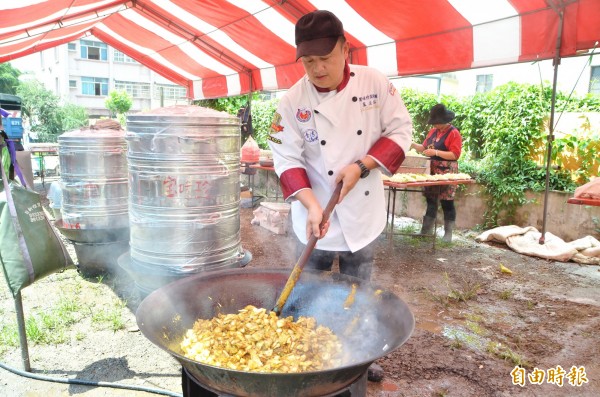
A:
(364, 171)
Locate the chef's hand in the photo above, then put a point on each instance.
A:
(314, 214)
(313, 221)
(350, 174)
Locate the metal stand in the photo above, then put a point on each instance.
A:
(268, 171)
(393, 187)
(191, 388)
(22, 333)
(391, 213)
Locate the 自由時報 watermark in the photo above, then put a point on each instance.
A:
(557, 375)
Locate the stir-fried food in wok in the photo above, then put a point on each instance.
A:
(257, 340)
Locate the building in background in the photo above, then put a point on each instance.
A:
(577, 74)
(83, 72)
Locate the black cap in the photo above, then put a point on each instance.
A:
(317, 33)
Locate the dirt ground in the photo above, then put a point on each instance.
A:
(474, 324)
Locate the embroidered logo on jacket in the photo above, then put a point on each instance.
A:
(274, 140)
(303, 115)
(392, 89)
(368, 101)
(276, 124)
(276, 127)
(311, 135)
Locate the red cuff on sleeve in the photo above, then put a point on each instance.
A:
(293, 180)
(388, 153)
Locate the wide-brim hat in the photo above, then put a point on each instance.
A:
(440, 115)
(317, 33)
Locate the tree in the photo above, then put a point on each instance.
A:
(262, 118)
(47, 118)
(118, 102)
(73, 117)
(230, 105)
(9, 79)
(41, 108)
(233, 105)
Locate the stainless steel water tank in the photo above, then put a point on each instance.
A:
(94, 179)
(184, 193)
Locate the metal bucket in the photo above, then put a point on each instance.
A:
(94, 178)
(181, 232)
(183, 163)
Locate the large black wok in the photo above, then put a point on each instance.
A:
(375, 324)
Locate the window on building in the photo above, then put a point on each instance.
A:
(595, 80)
(136, 90)
(484, 82)
(72, 47)
(449, 76)
(267, 95)
(169, 91)
(118, 56)
(94, 86)
(72, 83)
(93, 50)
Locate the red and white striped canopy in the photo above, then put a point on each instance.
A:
(220, 48)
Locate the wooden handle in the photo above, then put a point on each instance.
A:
(310, 245)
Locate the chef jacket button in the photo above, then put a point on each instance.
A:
(316, 111)
(354, 99)
(366, 193)
(330, 173)
(351, 74)
(359, 132)
(323, 142)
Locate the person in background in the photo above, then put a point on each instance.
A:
(339, 123)
(55, 197)
(443, 145)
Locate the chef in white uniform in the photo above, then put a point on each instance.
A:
(339, 122)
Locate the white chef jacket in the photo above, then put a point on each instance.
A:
(314, 135)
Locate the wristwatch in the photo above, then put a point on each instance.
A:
(364, 171)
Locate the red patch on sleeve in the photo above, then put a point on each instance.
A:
(293, 180)
(388, 153)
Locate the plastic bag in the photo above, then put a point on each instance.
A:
(30, 248)
(250, 151)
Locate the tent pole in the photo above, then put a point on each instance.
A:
(250, 89)
(22, 332)
(555, 62)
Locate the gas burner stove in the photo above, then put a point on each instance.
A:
(192, 388)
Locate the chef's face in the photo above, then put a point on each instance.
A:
(327, 71)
